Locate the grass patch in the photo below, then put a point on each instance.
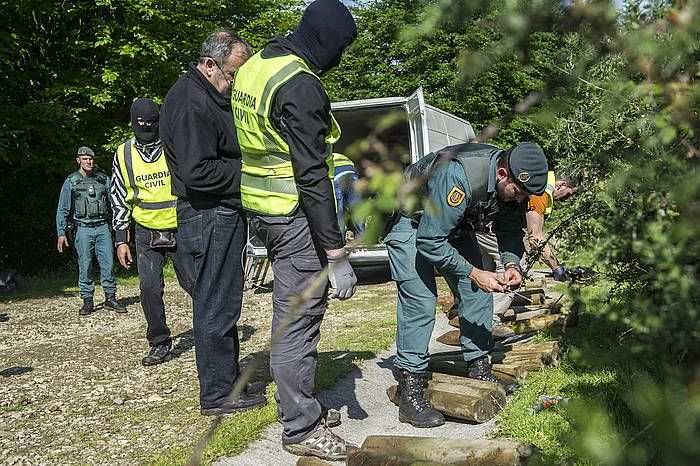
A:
(65, 281)
(11, 408)
(369, 330)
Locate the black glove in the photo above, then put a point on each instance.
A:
(559, 273)
(341, 276)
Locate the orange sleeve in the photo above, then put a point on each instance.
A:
(538, 204)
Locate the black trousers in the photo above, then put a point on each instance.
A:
(296, 263)
(150, 264)
(215, 237)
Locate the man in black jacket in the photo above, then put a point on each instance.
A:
(201, 148)
(286, 132)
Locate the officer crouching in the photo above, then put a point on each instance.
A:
(468, 188)
(83, 201)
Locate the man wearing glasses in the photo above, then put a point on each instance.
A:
(202, 152)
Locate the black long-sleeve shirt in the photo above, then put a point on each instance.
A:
(300, 113)
(199, 141)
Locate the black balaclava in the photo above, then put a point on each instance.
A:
(324, 31)
(147, 110)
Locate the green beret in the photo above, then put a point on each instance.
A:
(85, 150)
(528, 167)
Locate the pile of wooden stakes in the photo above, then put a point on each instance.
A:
(455, 395)
(385, 450)
(452, 393)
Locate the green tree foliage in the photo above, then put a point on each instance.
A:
(70, 72)
(392, 58)
(623, 105)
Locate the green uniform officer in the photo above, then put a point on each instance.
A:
(470, 187)
(84, 202)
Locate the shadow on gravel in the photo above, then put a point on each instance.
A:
(334, 373)
(4, 318)
(129, 301)
(185, 342)
(15, 370)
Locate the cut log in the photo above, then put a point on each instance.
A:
(366, 458)
(532, 299)
(457, 401)
(449, 338)
(509, 372)
(531, 356)
(459, 368)
(476, 384)
(538, 323)
(531, 291)
(446, 301)
(451, 312)
(312, 461)
(523, 313)
(452, 451)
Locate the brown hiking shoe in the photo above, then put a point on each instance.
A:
(324, 444)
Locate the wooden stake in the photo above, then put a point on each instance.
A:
(449, 338)
(457, 401)
(452, 451)
(366, 458)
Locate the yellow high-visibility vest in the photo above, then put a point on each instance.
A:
(549, 190)
(341, 160)
(267, 178)
(148, 189)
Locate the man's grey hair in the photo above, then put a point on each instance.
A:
(219, 45)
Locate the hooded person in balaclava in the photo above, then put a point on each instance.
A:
(144, 120)
(281, 111)
(141, 194)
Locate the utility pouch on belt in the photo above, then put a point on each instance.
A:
(162, 239)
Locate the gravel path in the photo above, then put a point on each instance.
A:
(366, 410)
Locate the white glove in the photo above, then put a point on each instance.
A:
(341, 276)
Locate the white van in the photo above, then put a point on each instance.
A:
(421, 129)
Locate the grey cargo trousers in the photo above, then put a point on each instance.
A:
(295, 264)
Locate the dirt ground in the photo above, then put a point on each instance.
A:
(73, 390)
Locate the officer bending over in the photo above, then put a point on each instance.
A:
(141, 191)
(469, 188)
(84, 201)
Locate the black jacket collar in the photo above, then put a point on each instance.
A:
(195, 75)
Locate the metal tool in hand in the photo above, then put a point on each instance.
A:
(507, 289)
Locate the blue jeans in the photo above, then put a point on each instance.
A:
(215, 237)
(97, 241)
(346, 198)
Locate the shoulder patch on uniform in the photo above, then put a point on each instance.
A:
(455, 197)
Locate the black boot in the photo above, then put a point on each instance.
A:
(480, 369)
(413, 408)
(159, 354)
(112, 304)
(88, 307)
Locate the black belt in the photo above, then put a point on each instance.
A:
(90, 225)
